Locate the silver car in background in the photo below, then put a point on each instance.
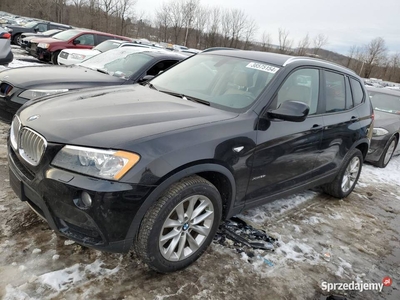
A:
(6, 55)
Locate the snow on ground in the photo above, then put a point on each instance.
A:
(319, 239)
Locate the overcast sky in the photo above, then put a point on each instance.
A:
(345, 22)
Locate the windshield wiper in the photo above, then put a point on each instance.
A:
(190, 98)
(152, 86)
(103, 71)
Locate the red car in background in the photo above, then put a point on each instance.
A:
(48, 49)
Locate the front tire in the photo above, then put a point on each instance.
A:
(347, 177)
(17, 39)
(387, 153)
(179, 227)
(54, 57)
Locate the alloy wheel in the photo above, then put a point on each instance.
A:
(389, 152)
(186, 228)
(351, 173)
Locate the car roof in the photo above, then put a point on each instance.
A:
(278, 59)
(383, 91)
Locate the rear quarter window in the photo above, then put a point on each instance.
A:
(357, 91)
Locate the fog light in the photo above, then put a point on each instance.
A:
(86, 200)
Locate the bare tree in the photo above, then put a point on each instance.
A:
(266, 41)
(124, 9)
(249, 32)
(176, 19)
(238, 25)
(319, 41)
(352, 52)
(226, 23)
(163, 21)
(214, 26)
(285, 44)
(189, 12)
(303, 45)
(375, 52)
(201, 22)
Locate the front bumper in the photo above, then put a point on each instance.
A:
(52, 193)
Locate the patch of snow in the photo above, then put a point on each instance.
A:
(35, 251)
(66, 278)
(3, 208)
(55, 257)
(390, 174)
(13, 293)
(69, 242)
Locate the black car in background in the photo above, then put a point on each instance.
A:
(159, 166)
(26, 37)
(126, 65)
(34, 26)
(385, 138)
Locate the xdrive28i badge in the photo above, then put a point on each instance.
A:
(33, 118)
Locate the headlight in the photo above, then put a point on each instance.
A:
(78, 56)
(379, 132)
(108, 164)
(43, 45)
(31, 94)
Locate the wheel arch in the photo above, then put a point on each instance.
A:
(363, 146)
(220, 176)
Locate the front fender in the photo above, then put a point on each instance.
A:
(163, 186)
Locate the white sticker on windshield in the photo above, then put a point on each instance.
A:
(262, 67)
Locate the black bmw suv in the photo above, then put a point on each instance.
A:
(158, 167)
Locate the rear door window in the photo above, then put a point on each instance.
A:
(103, 38)
(335, 92)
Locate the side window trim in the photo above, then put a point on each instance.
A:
(349, 95)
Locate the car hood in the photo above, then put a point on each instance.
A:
(46, 77)
(82, 51)
(114, 117)
(47, 40)
(16, 27)
(383, 119)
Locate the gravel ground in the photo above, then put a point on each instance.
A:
(321, 239)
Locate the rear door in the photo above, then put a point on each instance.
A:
(341, 121)
(287, 152)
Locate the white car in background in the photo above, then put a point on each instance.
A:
(76, 56)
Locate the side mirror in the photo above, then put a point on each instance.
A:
(76, 42)
(146, 78)
(294, 111)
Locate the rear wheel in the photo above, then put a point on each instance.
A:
(179, 227)
(387, 153)
(54, 57)
(348, 175)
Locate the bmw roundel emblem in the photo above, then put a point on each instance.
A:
(33, 118)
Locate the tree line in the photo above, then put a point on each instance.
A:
(189, 23)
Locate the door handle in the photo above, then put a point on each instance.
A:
(316, 127)
(354, 119)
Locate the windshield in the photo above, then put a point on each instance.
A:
(226, 82)
(107, 45)
(30, 24)
(66, 35)
(120, 62)
(385, 102)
